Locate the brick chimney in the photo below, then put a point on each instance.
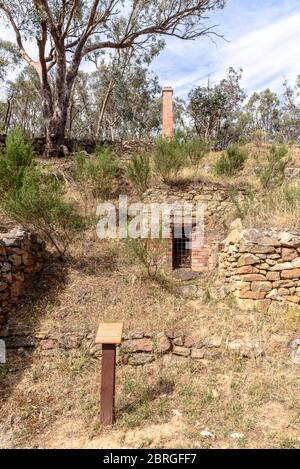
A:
(168, 125)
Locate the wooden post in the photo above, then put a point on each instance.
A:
(108, 383)
(109, 335)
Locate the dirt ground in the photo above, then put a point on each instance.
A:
(50, 395)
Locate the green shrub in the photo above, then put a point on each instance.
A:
(196, 150)
(139, 172)
(169, 158)
(242, 205)
(273, 173)
(96, 173)
(231, 161)
(15, 158)
(39, 204)
(150, 253)
(291, 195)
(35, 199)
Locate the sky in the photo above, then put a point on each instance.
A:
(261, 36)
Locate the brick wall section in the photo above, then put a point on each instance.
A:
(201, 256)
(168, 121)
(262, 267)
(21, 254)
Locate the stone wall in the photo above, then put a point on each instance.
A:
(124, 148)
(262, 267)
(142, 348)
(21, 254)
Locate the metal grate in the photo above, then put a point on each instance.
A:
(182, 255)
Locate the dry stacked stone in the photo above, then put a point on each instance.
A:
(21, 254)
(262, 267)
(215, 197)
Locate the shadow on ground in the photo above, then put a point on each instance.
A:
(95, 265)
(148, 395)
(23, 322)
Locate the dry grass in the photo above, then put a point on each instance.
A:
(50, 398)
(247, 177)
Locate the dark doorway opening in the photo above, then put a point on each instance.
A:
(182, 254)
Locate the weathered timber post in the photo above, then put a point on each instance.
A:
(109, 335)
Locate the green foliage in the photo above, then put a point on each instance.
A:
(150, 253)
(39, 203)
(96, 173)
(169, 157)
(291, 195)
(242, 206)
(273, 173)
(196, 149)
(35, 199)
(9, 57)
(231, 161)
(16, 157)
(263, 110)
(139, 172)
(214, 108)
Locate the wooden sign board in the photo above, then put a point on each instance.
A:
(109, 333)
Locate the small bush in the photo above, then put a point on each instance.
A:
(96, 173)
(291, 195)
(258, 137)
(139, 172)
(150, 253)
(242, 206)
(231, 161)
(273, 173)
(169, 158)
(15, 158)
(39, 204)
(35, 199)
(196, 150)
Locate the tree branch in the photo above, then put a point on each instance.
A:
(19, 40)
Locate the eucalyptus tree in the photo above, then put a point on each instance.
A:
(24, 103)
(66, 32)
(264, 111)
(128, 111)
(9, 57)
(111, 71)
(291, 111)
(214, 108)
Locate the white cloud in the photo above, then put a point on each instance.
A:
(267, 54)
(264, 41)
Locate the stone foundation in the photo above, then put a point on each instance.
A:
(262, 267)
(140, 348)
(21, 254)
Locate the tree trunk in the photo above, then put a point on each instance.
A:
(55, 135)
(55, 106)
(109, 90)
(8, 113)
